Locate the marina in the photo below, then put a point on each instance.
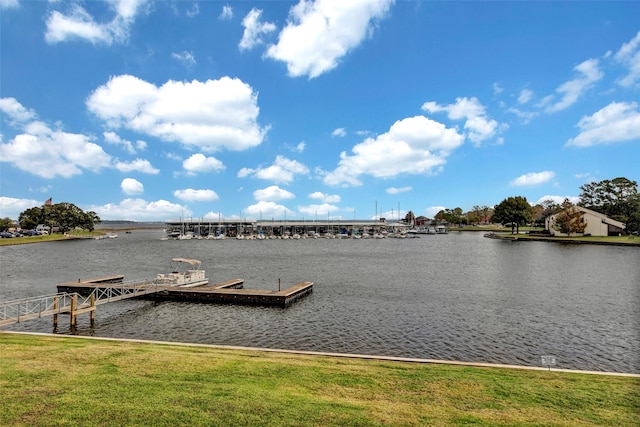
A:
(297, 229)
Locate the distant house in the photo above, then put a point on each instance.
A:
(597, 224)
(422, 221)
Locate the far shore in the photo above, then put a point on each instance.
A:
(589, 240)
(490, 231)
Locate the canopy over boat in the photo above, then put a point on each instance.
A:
(193, 262)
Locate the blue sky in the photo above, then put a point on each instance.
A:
(153, 111)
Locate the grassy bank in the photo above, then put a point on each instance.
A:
(47, 238)
(596, 240)
(70, 381)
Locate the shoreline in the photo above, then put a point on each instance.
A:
(630, 240)
(330, 354)
(492, 233)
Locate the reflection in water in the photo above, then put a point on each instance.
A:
(458, 296)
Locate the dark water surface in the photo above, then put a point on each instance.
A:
(457, 297)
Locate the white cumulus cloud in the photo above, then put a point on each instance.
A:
(15, 111)
(394, 190)
(199, 163)
(617, 122)
(137, 165)
(254, 29)
(191, 195)
(533, 179)
(272, 193)
(209, 115)
(415, 145)
(11, 207)
(323, 197)
(141, 210)
(130, 147)
(268, 209)
(79, 24)
(558, 199)
(283, 170)
(319, 33)
(48, 153)
(478, 124)
(131, 186)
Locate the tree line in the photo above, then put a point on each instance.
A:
(62, 217)
(617, 198)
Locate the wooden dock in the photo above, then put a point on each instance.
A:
(231, 291)
(84, 296)
(234, 293)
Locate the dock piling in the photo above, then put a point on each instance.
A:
(55, 314)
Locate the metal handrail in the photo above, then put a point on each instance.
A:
(35, 307)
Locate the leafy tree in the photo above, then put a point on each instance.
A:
(453, 216)
(486, 210)
(91, 219)
(633, 223)
(473, 217)
(545, 209)
(5, 224)
(31, 218)
(569, 220)
(617, 198)
(513, 210)
(65, 216)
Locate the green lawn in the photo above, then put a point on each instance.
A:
(47, 238)
(51, 381)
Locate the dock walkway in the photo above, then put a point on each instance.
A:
(73, 302)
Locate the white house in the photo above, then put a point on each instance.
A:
(597, 224)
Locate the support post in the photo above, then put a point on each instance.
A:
(72, 312)
(55, 315)
(92, 314)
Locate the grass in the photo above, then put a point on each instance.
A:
(51, 381)
(46, 238)
(633, 240)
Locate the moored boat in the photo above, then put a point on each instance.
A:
(183, 277)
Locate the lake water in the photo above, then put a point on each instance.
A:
(456, 297)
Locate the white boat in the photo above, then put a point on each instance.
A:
(441, 229)
(112, 235)
(185, 277)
